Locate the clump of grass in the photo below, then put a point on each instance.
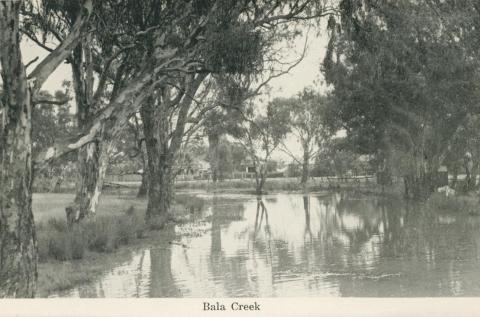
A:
(102, 234)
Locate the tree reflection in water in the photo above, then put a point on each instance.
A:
(311, 244)
(261, 212)
(230, 270)
(162, 282)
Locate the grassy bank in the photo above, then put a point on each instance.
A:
(278, 184)
(72, 256)
(244, 185)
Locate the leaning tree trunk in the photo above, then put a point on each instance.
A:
(18, 246)
(213, 143)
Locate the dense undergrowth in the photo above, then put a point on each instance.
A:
(60, 242)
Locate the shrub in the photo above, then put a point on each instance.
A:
(56, 247)
(102, 235)
(76, 244)
(55, 224)
(57, 243)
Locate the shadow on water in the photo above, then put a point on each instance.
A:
(330, 244)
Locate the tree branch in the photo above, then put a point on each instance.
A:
(43, 70)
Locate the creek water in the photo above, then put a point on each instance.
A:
(323, 244)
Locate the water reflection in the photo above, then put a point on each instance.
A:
(305, 245)
(162, 281)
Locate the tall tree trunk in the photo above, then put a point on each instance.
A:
(92, 160)
(162, 143)
(143, 190)
(305, 168)
(18, 246)
(159, 162)
(213, 143)
(160, 193)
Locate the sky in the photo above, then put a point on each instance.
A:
(306, 73)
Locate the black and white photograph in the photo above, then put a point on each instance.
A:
(234, 149)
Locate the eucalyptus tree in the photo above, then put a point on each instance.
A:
(234, 43)
(306, 122)
(404, 82)
(18, 258)
(261, 136)
(224, 119)
(150, 44)
(106, 65)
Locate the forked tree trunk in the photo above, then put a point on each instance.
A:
(260, 179)
(18, 247)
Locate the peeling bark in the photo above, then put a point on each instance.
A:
(92, 157)
(18, 246)
(92, 166)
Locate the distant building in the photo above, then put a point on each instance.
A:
(196, 169)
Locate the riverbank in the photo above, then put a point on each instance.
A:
(70, 257)
(245, 185)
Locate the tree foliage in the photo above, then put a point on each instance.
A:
(404, 80)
